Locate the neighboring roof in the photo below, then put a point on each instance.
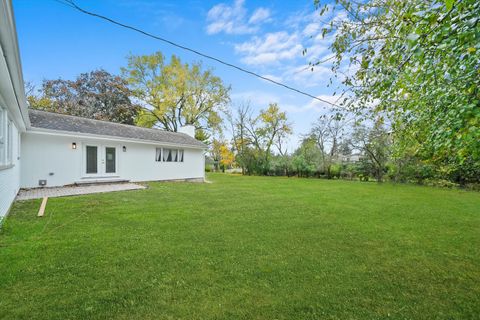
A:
(60, 122)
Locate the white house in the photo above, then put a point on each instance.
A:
(43, 149)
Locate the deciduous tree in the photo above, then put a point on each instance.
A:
(175, 93)
(416, 62)
(96, 94)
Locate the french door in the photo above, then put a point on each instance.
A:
(100, 160)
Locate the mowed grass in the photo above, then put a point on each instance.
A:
(245, 248)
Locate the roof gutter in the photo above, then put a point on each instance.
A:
(78, 135)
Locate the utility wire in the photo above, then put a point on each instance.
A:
(73, 5)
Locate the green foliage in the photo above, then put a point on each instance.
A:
(96, 95)
(307, 158)
(176, 94)
(375, 143)
(417, 62)
(256, 137)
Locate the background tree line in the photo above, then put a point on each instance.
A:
(409, 74)
(409, 107)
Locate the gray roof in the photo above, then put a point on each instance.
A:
(60, 122)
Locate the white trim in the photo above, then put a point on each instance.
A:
(101, 161)
(11, 68)
(85, 174)
(107, 138)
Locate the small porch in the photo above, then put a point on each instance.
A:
(38, 193)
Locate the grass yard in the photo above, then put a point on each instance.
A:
(245, 248)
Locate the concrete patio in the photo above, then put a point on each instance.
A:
(38, 193)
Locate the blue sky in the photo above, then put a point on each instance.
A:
(264, 36)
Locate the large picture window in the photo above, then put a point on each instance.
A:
(169, 155)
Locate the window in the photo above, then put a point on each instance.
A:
(9, 142)
(6, 139)
(3, 142)
(19, 140)
(169, 155)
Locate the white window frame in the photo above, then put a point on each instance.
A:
(9, 142)
(3, 137)
(178, 155)
(158, 154)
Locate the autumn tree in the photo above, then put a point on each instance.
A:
(96, 95)
(227, 158)
(175, 94)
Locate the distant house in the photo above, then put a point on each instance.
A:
(39, 149)
(351, 158)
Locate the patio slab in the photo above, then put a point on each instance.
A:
(38, 193)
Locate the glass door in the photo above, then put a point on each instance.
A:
(110, 160)
(91, 160)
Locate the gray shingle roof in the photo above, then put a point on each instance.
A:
(55, 121)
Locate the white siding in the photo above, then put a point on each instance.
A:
(10, 176)
(52, 158)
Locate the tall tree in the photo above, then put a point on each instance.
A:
(96, 94)
(375, 145)
(175, 93)
(307, 157)
(417, 62)
(238, 120)
(268, 130)
(328, 132)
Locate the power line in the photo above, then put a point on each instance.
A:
(73, 5)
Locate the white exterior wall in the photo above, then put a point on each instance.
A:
(10, 176)
(51, 157)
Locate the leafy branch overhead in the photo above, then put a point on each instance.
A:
(417, 63)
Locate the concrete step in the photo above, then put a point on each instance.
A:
(90, 181)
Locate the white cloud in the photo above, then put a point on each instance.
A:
(320, 106)
(233, 19)
(270, 48)
(260, 15)
(311, 29)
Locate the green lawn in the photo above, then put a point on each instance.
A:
(245, 248)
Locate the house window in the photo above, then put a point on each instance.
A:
(169, 155)
(19, 139)
(9, 142)
(3, 140)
